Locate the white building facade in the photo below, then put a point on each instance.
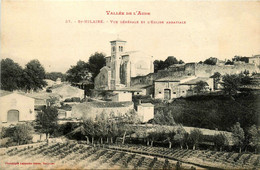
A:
(16, 108)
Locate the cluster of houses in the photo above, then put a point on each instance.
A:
(126, 74)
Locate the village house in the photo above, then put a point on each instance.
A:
(122, 96)
(16, 108)
(254, 60)
(171, 87)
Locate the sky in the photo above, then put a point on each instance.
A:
(38, 30)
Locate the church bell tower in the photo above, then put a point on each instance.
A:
(117, 48)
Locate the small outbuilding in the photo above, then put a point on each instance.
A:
(16, 108)
(145, 112)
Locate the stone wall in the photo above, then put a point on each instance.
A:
(148, 79)
(190, 69)
(204, 70)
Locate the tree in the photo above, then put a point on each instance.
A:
(211, 61)
(11, 75)
(180, 136)
(33, 77)
(238, 135)
(196, 137)
(90, 131)
(254, 137)
(22, 133)
(78, 73)
(181, 62)
(229, 62)
(55, 75)
(132, 117)
(170, 61)
(164, 117)
(158, 65)
(170, 137)
(95, 63)
(240, 58)
(47, 120)
(216, 77)
(231, 83)
(200, 86)
(220, 140)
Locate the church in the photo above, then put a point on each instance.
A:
(121, 66)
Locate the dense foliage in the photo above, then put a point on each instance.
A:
(83, 71)
(55, 75)
(18, 134)
(14, 77)
(161, 65)
(213, 111)
(211, 61)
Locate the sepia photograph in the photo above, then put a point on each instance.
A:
(129, 84)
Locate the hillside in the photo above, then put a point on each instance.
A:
(214, 111)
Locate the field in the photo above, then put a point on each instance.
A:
(78, 155)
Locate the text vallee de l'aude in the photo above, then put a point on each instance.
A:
(127, 13)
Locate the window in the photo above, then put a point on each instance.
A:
(137, 92)
(160, 92)
(120, 48)
(113, 49)
(183, 91)
(174, 92)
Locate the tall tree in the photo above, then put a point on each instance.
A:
(196, 137)
(170, 61)
(231, 83)
(216, 77)
(33, 77)
(238, 135)
(220, 140)
(180, 136)
(254, 137)
(200, 86)
(11, 75)
(78, 72)
(158, 65)
(47, 120)
(95, 63)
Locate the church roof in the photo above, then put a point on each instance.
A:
(171, 78)
(119, 40)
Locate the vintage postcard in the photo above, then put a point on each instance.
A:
(130, 84)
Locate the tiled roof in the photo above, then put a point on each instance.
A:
(195, 81)
(4, 93)
(171, 78)
(147, 104)
(118, 40)
(105, 104)
(135, 87)
(111, 104)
